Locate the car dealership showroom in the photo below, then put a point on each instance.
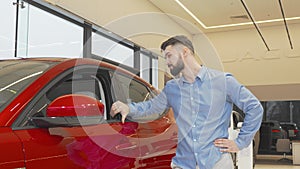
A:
(150, 84)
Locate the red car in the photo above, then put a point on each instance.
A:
(55, 114)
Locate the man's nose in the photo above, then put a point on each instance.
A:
(169, 65)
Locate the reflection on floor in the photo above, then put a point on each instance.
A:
(274, 162)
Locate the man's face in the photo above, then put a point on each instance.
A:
(174, 60)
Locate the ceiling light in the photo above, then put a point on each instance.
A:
(190, 13)
(230, 25)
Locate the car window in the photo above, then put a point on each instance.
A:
(80, 82)
(127, 89)
(15, 75)
(83, 84)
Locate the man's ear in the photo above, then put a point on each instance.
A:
(185, 51)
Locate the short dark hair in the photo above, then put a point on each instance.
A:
(180, 39)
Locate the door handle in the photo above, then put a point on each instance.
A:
(126, 146)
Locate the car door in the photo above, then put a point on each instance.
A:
(98, 146)
(11, 145)
(157, 133)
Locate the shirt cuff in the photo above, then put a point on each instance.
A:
(132, 110)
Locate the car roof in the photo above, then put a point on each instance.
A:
(103, 62)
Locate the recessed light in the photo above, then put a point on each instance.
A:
(230, 25)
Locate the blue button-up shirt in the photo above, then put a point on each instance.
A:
(202, 110)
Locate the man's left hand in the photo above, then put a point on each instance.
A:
(226, 145)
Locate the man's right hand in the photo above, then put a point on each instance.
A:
(119, 107)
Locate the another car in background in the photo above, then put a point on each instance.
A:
(277, 131)
(291, 130)
(270, 131)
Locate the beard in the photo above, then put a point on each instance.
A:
(177, 67)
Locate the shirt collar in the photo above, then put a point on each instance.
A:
(201, 75)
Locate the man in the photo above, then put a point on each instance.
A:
(202, 101)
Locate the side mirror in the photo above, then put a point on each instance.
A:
(75, 105)
(72, 110)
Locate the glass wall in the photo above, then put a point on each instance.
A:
(42, 34)
(283, 111)
(112, 50)
(43, 30)
(281, 121)
(7, 30)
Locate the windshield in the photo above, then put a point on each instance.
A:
(15, 75)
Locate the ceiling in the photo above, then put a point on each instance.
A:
(222, 15)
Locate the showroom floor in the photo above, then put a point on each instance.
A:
(269, 166)
(271, 162)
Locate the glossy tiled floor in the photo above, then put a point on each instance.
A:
(271, 162)
(270, 166)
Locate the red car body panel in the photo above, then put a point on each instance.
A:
(41, 148)
(11, 147)
(111, 145)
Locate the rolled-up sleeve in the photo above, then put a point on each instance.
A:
(155, 105)
(250, 105)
